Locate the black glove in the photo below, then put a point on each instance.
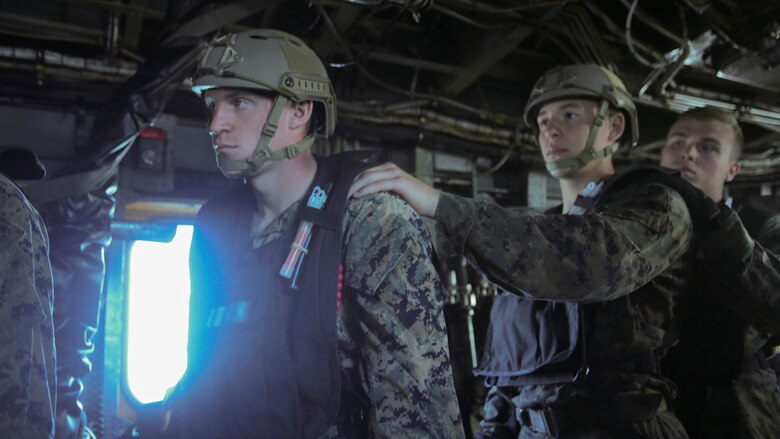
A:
(729, 242)
(721, 236)
(707, 216)
(499, 417)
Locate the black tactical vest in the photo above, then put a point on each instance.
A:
(263, 360)
(711, 348)
(543, 342)
(711, 345)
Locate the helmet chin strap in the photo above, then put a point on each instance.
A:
(263, 152)
(589, 153)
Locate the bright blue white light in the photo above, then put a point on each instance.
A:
(157, 315)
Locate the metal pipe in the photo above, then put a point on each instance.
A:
(49, 58)
(673, 70)
(649, 21)
(118, 8)
(437, 122)
(112, 34)
(481, 7)
(648, 81)
(470, 21)
(683, 98)
(773, 138)
(415, 63)
(64, 73)
(26, 21)
(639, 45)
(595, 38)
(413, 5)
(22, 24)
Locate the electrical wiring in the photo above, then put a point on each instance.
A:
(501, 162)
(630, 42)
(653, 24)
(361, 56)
(468, 20)
(517, 20)
(481, 7)
(433, 100)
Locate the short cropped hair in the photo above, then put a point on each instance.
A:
(716, 114)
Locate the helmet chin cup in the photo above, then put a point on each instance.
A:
(261, 155)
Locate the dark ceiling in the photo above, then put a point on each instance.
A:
(449, 74)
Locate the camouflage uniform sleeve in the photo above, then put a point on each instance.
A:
(27, 369)
(582, 258)
(754, 270)
(770, 235)
(402, 337)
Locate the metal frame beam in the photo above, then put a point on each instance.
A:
(492, 49)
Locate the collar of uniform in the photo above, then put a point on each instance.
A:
(275, 230)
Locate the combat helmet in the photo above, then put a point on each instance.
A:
(269, 61)
(584, 81)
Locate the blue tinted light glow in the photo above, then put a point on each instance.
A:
(157, 315)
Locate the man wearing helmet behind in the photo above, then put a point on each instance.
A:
(311, 315)
(608, 266)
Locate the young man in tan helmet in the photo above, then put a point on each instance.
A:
(726, 386)
(311, 315)
(608, 267)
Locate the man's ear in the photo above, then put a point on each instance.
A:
(732, 171)
(301, 114)
(617, 124)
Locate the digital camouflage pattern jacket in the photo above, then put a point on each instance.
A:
(27, 360)
(747, 404)
(628, 262)
(391, 334)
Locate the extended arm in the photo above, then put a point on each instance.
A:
(752, 268)
(389, 177)
(593, 257)
(770, 235)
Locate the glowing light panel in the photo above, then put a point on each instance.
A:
(157, 315)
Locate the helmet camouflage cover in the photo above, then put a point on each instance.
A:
(267, 60)
(582, 81)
